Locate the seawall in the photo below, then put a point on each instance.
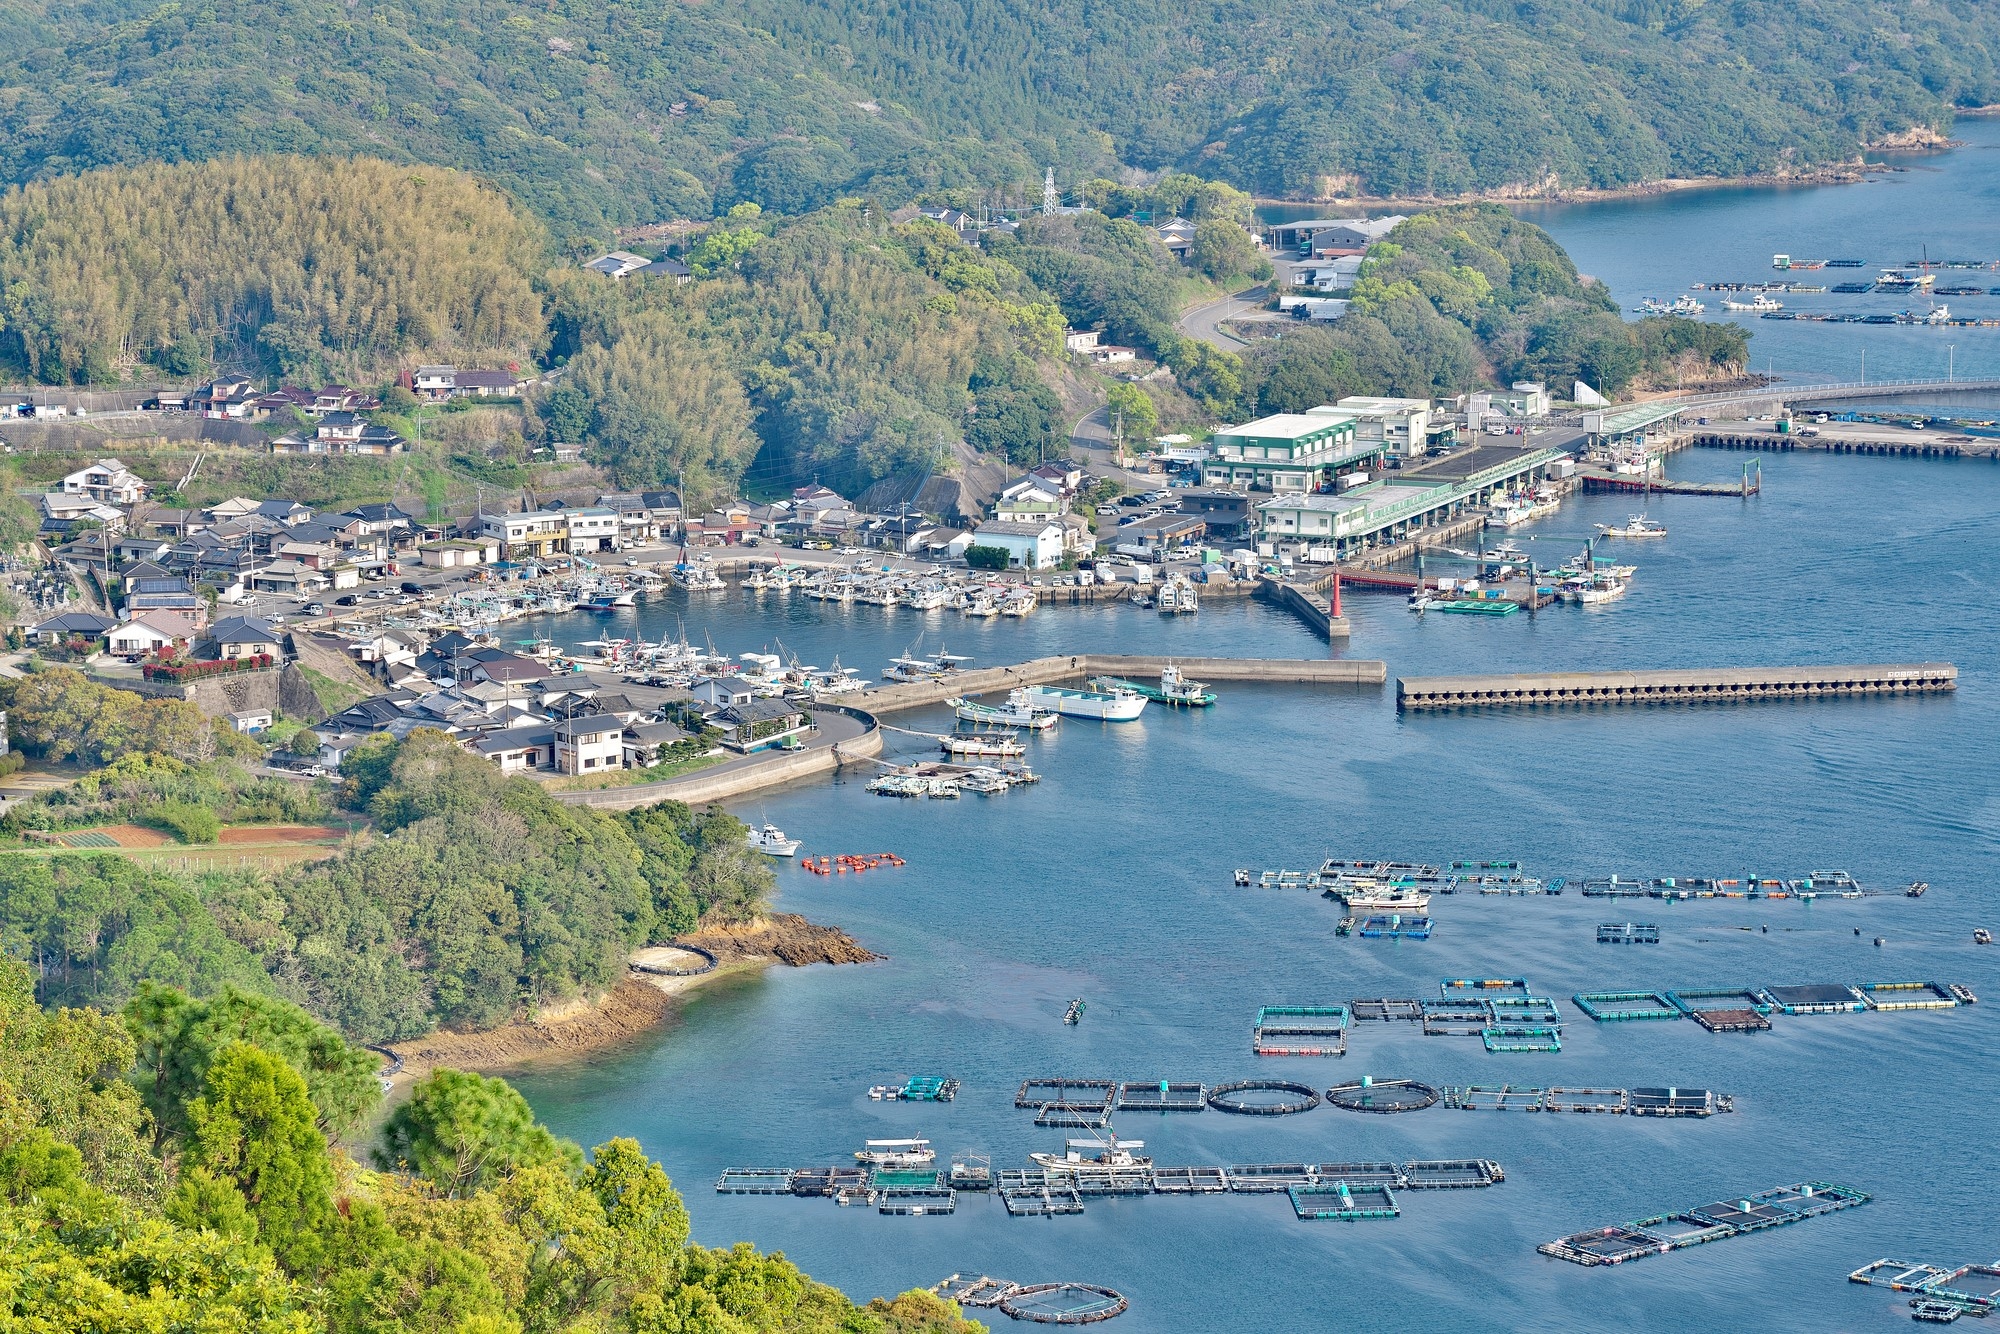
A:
(1699, 686)
(1046, 671)
(732, 780)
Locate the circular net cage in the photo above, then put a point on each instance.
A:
(1063, 1304)
(1263, 1097)
(1382, 1095)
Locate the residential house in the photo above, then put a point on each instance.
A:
(486, 384)
(645, 742)
(761, 724)
(341, 433)
(72, 625)
(1035, 545)
(723, 691)
(241, 637)
(130, 549)
(340, 398)
(519, 749)
(1061, 473)
(108, 482)
(665, 508)
(590, 744)
(1110, 354)
(152, 587)
(250, 720)
(287, 512)
(617, 264)
(172, 524)
(433, 381)
(1177, 236)
(535, 534)
(93, 550)
(594, 529)
(500, 668)
(290, 577)
(63, 514)
(153, 632)
(962, 223)
(455, 552)
(233, 508)
(1080, 342)
(1161, 536)
(230, 397)
(636, 525)
(388, 519)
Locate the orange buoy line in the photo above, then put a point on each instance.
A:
(842, 863)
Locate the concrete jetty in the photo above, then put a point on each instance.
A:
(1046, 671)
(1703, 685)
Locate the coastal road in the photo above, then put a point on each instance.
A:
(1205, 321)
(1090, 442)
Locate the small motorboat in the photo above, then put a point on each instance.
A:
(771, 841)
(1638, 525)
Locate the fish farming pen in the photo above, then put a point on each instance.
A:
(1255, 1097)
(1628, 933)
(1381, 1095)
(1931, 1311)
(1730, 998)
(1614, 1101)
(1363, 1174)
(1500, 1098)
(1611, 1006)
(1269, 1178)
(970, 1171)
(1897, 1275)
(1909, 996)
(1968, 1290)
(1163, 1096)
(1040, 1093)
(917, 1202)
(1190, 1180)
(1023, 1198)
(1814, 998)
(1512, 884)
(1063, 1303)
(1678, 1102)
(1524, 1010)
(1343, 1202)
(1074, 1116)
(1732, 1021)
(1704, 1223)
(1395, 926)
(811, 1182)
(1385, 1009)
(1522, 1038)
(978, 1292)
(1456, 1018)
(1456, 1174)
(755, 1181)
(1323, 1029)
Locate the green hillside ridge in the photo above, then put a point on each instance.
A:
(600, 116)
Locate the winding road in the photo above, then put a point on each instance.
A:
(1205, 321)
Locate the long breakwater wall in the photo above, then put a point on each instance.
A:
(1046, 671)
(1700, 686)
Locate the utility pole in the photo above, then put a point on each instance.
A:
(1951, 363)
(1118, 439)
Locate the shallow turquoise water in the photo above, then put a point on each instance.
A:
(1111, 881)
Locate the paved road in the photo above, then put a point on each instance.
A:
(1205, 321)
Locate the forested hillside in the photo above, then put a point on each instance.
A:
(316, 267)
(596, 116)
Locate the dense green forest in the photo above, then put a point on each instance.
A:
(481, 897)
(318, 267)
(596, 116)
(192, 1164)
(1470, 294)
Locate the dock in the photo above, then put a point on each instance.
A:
(1349, 672)
(1601, 481)
(1717, 1221)
(1671, 1101)
(1697, 686)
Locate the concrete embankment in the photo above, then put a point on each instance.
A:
(1306, 603)
(1699, 686)
(1045, 671)
(740, 776)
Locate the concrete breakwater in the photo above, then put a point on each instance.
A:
(1045, 671)
(1305, 601)
(1702, 685)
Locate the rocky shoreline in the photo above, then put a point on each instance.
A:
(636, 1006)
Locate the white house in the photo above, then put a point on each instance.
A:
(108, 482)
(534, 533)
(137, 638)
(1078, 342)
(589, 744)
(1029, 546)
(594, 529)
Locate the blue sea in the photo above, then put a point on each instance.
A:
(1111, 881)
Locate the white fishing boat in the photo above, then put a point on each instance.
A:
(1108, 1151)
(983, 745)
(980, 603)
(699, 577)
(1112, 706)
(1759, 302)
(1177, 598)
(1022, 603)
(938, 665)
(1591, 590)
(896, 1153)
(771, 841)
(834, 680)
(1420, 599)
(1018, 711)
(1371, 894)
(1637, 525)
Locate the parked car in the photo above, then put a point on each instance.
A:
(1106, 511)
(313, 609)
(411, 587)
(349, 600)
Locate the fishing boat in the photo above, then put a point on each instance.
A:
(1420, 598)
(1174, 689)
(983, 745)
(834, 680)
(896, 1153)
(1177, 598)
(980, 603)
(1111, 706)
(1637, 525)
(1758, 302)
(771, 841)
(1365, 894)
(1900, 280)
(908, 668)
(1105, 1152)
(697, 578)
(1018, 711)
(1591, 590)
(1022, 603)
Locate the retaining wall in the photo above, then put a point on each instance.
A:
(712, 785)
(1044, 671)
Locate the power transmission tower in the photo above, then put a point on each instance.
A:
(1051, 201)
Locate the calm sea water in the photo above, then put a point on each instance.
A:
(1111, 881)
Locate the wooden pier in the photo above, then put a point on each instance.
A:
(1697, 686)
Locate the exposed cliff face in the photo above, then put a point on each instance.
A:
(786, 937)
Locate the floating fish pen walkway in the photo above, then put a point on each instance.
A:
(1692, 1003)
(1395, 926)
(1610, 1006)
(1628, 933)
(1910, 995)
(1241, 1098)
(1381, 1095)
(1316, 1030)
(1456, 1018)
(1814, 998)
(1942, 1295)
(1039, 1093)
(1704, 1223)
(1522, 1038)
(1037, 1199)
(1162, 1096)
(1484, 986)
(1732, 1021)
(1063, 1304)
(1710, 685)
(1682, 889)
